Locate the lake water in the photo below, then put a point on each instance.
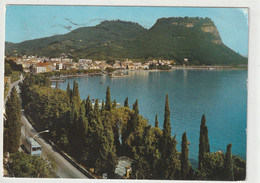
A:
(220, 95)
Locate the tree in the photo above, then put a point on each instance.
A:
(102, 107)
(169, 153)
(12, 124)
(239, 168)
(25, 165)
(75, 95)
(88, 108)
(166, 129)
(167, 122)
(69, 91)
(126, 102)
(114, 104)
(212, 168)
(106, 160)
(96, 107)
(171, 162)
(8, 69)
(185, 163)
(108, 100)
(156, 121)
(228, 164)
(135, 107)
(204, 141)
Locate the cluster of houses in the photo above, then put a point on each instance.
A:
(39, 65)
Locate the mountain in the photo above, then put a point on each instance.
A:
(169, 38)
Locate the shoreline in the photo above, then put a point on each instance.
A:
(211, 68)
(205, 67)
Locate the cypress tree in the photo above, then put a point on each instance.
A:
(107, 159)
(108, 100)
(12, 124)
(114, 104)
(81, 128)
(96, 107)
(228, 164)
(102, 107)
(185, 164)
(166, 141)
(75, 96)
(88, 107)
(204, 141)
(156, 122)
(126, 102)
(171, 162)
(135, 107)
(167, 122)
(69, 92)
(75, 92)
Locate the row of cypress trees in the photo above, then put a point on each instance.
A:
(92, 135)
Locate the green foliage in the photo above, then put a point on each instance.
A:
(114, 104)
(110, 69)
(239, 167)
(69, 91)
(8, 69)
(25, 165)
(167, 123)
(96, 107)
(228, 164)
(156, 123)
(171, 161)
(88, 108)
(160, 67)
(15, 76)
(204, 141)
(212, 167)
(75, 95)
(135, 107)
(126, 102)
(14, 66)
(108, 100)
(12, 124)
(185, 163)
(216, 166)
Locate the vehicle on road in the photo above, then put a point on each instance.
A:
(33, 147)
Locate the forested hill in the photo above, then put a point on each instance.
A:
(169, 38)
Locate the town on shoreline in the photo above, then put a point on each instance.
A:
(34, 64)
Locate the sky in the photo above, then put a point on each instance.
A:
(25, 22)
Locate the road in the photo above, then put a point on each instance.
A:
(64, 168)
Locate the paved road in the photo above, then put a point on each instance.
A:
(65, 169)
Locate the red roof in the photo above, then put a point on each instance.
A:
(43, 64)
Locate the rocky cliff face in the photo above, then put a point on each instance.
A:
(211, 28)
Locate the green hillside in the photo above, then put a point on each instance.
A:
(170, 38)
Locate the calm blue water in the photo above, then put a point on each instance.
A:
(220, 95)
